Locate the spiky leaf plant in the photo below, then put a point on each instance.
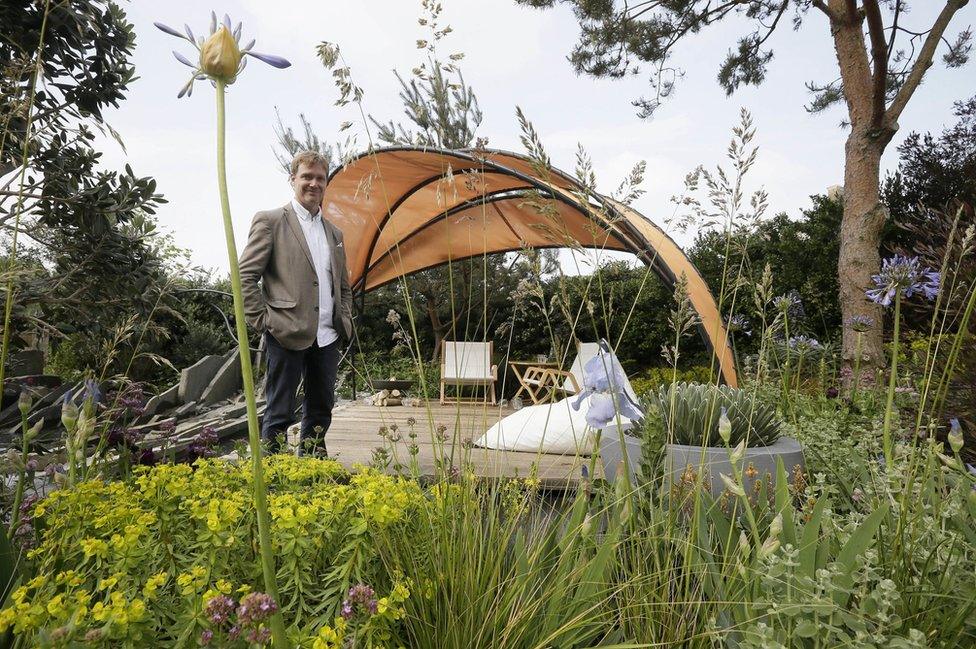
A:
(690, 414)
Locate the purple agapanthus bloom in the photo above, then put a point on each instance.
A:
(198, 42)
(804, 344)
(790, 304)
(860, 323)
(606, 386)
(905, 276)
(739, 323)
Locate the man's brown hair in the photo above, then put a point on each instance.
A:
(309, 159)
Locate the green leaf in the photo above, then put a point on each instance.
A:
(810, 540)
(806, 629)
(855, 546)
(8, 566)
(784, 503)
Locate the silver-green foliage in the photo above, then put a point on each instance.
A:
(690, 414)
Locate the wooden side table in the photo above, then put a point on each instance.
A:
(535, 379)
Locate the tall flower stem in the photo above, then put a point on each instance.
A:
(19, 208)
(260, 491)
(19, 494)
(886, 429)
(856, 384)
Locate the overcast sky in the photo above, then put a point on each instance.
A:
(514, 56)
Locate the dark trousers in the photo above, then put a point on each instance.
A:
(286, 367)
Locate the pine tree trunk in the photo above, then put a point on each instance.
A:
(860, 237)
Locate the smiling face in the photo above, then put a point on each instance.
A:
(309, 184)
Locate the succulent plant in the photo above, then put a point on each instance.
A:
(687, 408)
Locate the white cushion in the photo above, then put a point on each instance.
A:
(546, 428)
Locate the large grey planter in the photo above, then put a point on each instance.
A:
(612, 455)
(687, 463)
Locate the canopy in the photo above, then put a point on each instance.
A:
(405, 209)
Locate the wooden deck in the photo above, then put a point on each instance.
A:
(354, 435)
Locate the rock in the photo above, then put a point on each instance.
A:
(195, 379)
(166, 399)
(185, 410)
(26, 362)
(226, 382)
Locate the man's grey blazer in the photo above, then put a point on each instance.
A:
(286, 304)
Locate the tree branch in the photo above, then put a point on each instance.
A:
(924, 60)
(879, 55)
(894, 28)
(819, 4)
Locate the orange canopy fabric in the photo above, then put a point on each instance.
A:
(405, 209)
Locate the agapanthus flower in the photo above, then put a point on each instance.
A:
(904, 276)
(740, 324)
(790, 304)
(860, 323)
(221, 57)
(804, 344)
(605, 385)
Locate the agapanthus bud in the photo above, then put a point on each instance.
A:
(770, 546)
(744, 546)
(738, 453)
(587, 526)
(955, 435)
(34, 430)
(724, 425)
(69, 415)
(24, 402)
(220, 57)
(733, 487)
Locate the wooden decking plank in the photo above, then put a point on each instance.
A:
(353, 436)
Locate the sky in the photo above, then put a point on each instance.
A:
(514, 56)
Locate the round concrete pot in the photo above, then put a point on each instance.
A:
(687, 463)
(612, 455)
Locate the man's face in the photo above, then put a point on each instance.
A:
(309, 185)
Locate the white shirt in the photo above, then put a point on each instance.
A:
(318, 245)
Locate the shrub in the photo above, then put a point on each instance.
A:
(134, 563)
(690, 414)
(654, 377)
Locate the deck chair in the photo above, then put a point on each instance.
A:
(468, 364)
(561, 383)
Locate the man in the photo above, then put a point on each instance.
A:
(303, 306)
